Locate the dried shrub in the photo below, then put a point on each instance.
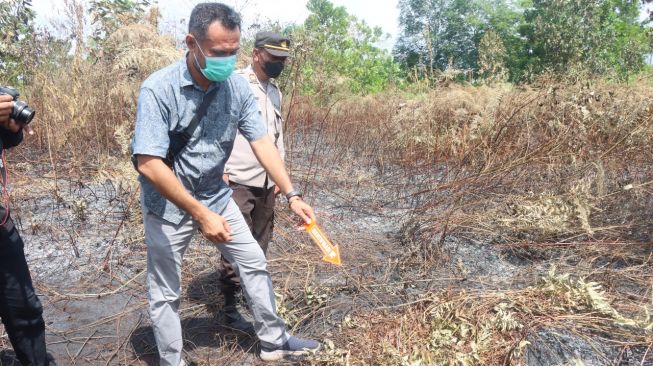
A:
(473, 328)
(86, 111)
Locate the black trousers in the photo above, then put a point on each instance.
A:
(20, 308)
(257, 207)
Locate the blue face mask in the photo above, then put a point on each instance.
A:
(217, 68)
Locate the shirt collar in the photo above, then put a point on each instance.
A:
(185, 79)
(249, 72)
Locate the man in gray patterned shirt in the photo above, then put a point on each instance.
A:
(192, 195)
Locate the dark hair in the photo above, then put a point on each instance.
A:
(204, 14)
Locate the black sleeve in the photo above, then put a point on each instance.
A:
(10, 139)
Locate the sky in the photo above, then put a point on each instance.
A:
(384, 13)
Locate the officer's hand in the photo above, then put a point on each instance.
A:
(225, 178)
(6, 105)
(215, 228)
(302, 209)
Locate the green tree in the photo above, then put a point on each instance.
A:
(601, 37)
(492, 58)
(108, 16)
(17, 25)
(437, 33)
(504, 18)
(336, 51)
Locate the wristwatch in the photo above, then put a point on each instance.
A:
(292, 194)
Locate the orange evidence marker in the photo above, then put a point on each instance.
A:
(331, 252)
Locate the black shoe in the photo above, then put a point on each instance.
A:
(186, 362)
(51, 361)
(235, 320)
(233, 301)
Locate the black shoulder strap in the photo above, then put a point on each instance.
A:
(179, 139)
(201, 112)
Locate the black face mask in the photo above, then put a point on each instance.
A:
(273, 68)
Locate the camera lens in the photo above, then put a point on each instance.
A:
(22, 113)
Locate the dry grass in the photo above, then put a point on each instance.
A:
(545, 160)
(481, 328)
(85, 111)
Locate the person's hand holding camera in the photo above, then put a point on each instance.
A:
(6, 105)
(15, 115)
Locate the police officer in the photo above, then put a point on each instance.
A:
(253, 190)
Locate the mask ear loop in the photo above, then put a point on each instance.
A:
(260, 59)
(197, 62)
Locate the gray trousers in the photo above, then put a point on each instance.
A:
(257, 206)
(166, 244)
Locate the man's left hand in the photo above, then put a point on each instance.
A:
(15, 127)
(11, 125)
(303, 210)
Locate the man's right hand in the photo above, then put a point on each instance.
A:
(214, 227)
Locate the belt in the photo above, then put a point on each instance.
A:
(259, 190)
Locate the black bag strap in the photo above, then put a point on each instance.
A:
(179, 140)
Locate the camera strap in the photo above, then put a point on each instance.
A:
(5, 193)
(179, 139)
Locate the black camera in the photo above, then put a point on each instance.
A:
(21, 113)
